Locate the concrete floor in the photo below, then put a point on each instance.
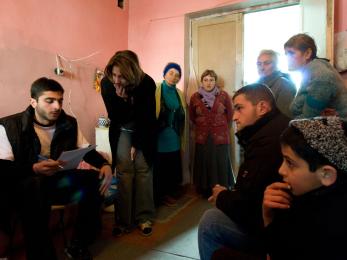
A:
(174, 235)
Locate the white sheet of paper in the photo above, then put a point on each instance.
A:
(72, 158)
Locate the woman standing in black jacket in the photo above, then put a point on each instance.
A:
(129, 97)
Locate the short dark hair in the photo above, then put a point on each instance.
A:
(302, 42)
(210, 73)
(257, 92)
(44, 84)
(293, 138)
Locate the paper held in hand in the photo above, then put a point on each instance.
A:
(72, 158)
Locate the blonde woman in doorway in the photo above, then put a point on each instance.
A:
(211, 114)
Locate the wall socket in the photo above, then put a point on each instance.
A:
(59, 71)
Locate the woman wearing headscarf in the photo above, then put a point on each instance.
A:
(171, 116)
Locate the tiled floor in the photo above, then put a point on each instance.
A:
(175, 237)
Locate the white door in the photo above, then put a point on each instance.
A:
(217, 44)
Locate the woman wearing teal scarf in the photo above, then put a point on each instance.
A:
(171, 118)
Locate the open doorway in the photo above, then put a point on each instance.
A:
(261, 32)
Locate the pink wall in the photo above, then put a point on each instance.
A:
(32, 32)
(156, 31)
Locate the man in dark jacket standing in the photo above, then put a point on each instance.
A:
(32, 177)
(237, 218)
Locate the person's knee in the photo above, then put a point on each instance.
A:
(85, 185)
(88, 174)
(88, 179)
(209, 220)
(212, 215)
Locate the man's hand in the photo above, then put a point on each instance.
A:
(215, 191)
(106, 176)
(47, 167)
(276, 196)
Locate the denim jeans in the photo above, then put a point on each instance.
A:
(217, 230)
(134, 201)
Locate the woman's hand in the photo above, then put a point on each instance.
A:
(276, 196)
(120, 91)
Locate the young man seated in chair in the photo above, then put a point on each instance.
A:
(29, 186)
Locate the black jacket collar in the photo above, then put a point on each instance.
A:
(246, 133)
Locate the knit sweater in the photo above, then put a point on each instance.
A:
(322, 87)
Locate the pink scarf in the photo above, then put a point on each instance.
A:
(208, 97)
